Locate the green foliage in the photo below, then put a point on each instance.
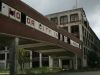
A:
(41, 71)
(93, 59)
(30, 72)
(23, 57)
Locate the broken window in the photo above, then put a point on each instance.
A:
(7, 55)
(77, 29)
(74, 29)
(54, 20)
(65, 28)
(35, 54)
(85, 23)
(59, 36)
(83, 29)
(63, 19)
(74, 17)
(2, 56)
(23, 18)
(68, 41)
(84, 51)
(63, 38)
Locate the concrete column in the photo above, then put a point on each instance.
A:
(5, 64)
(31, 59)
(13, 56)
(50, 62)
(70, 63)
(75, 62)
(80, 17)
(60, 63)
(40, 57)
(69, 29)
(81, 33)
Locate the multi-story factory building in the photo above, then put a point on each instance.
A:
(75, 22)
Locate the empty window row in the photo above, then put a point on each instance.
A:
(86, 34)
(74, 29)
(86, 51)
(64, 19)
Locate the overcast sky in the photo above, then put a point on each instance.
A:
(91, 8)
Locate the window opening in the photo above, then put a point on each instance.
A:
(54, 20)
(23, 18)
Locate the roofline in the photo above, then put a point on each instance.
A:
(66, 11)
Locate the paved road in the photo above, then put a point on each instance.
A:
(81, 73)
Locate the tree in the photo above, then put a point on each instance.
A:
(93, 59)
(23, 56)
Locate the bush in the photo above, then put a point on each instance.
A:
(29, 72)
(93, 59)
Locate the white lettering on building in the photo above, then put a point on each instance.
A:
(16, 15)
(73, 43)
(30, 22)
(65, 39)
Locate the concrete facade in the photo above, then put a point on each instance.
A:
(78, 25)
(49, 44)
(53, 62)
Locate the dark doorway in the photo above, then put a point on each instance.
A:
(45, 63)
(65, 64)
(35, 64)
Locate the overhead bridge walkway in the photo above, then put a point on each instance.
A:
(23, 27)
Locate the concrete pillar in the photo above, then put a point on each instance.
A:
(50, 62)
(69, 29)
(60, 63)
(75, 62)
(13, 56)
(31, 59)
(40, 59)
(70, 63)
(5, 64)
(81, 33)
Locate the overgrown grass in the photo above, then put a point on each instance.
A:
(4, 71)
(34, 71)
(47, 71)
(42, 71)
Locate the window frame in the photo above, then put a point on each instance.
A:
(2, 56)
(75, 17)
(23, 18)
(54, 20)
(62, 18)
(74, 29)
(65, 28)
